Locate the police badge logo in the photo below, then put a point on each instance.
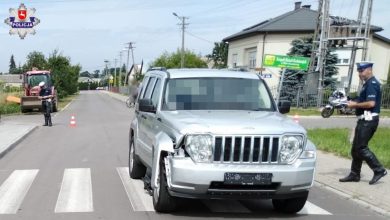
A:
(22, 21)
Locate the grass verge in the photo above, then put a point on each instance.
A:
(337, 141)
(8, 108)
(64, 101)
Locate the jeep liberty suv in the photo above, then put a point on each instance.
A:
(217, 134)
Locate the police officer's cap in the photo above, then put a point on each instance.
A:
(41, 84)
(364, 65)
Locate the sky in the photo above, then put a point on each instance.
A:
(91, 31)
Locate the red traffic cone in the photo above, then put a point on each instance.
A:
(296, 118)
(72, 121)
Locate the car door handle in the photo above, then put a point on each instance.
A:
(143, 116)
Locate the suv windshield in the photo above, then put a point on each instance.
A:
(216, 94)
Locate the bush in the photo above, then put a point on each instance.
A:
(85, 86)
(9, 108)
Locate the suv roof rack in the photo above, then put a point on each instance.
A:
(157, 68)
(240, 69)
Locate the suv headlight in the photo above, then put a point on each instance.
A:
(292, 146)
(199, 147)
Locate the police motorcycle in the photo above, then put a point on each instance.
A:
(339, 101)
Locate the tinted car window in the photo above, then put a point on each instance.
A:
(149, 88)
(216, 94)
(156, 92)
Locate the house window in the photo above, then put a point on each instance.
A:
(343, 57)
(252, 59)
(234, 60)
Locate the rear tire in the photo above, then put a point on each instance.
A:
(327, 112)
(162, 201)
(136, 169)
(289, 206)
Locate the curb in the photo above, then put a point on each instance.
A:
(19, 139)
(359, 201)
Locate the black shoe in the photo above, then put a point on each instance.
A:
(350, 178)
(44, 125)
(377, 176)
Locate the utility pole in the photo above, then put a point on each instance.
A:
(115, 60)
(183, 27)
(311, 77)
(323, 49)
(367, 30)
(120, 68)
(107, 77)
(354, 45)
(129, 47)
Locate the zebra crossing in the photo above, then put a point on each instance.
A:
(76, 194)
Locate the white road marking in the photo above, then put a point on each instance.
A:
(76, 191)
(311, 209)
(140, 200)
(14, 189)
(225, 206)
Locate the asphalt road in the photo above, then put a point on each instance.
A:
(80, 172)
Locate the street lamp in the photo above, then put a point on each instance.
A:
(183, 26)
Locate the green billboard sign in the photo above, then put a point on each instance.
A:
(288, 62)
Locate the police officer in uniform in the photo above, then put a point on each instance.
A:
(46, 96)
(367, 111)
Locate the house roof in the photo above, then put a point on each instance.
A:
(382, 38)
(11, 78)
(300, 20)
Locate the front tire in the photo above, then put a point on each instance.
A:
(162, 201)
(289, 206)
(327, 112)
(136, 169)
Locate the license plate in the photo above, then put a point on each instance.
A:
(248, 178)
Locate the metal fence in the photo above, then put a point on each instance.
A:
(299, 98)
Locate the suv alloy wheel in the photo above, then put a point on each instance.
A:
(162, 201)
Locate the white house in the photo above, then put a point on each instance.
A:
(274, 36)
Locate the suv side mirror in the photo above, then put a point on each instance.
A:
(284, 106)
(146, 105)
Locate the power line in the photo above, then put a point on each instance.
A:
(200, 38)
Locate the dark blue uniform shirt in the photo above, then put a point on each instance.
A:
(371, 91)
(45, 92)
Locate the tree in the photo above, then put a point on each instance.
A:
(96, 73)
(35, 59)
(219, 55)
(293, 79)
(172, 60)
(12, 66)
(64, 74)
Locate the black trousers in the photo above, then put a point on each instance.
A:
(46, 108)
(360, 152)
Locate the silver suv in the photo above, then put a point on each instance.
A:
(215, 134)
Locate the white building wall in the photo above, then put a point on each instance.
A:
(280, 44)
(380, 55)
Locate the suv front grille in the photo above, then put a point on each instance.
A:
(246, 149)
